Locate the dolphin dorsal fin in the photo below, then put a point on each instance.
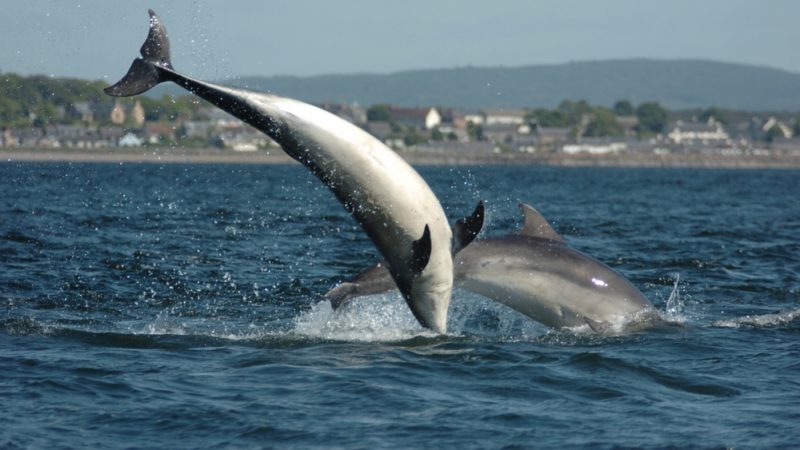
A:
(465, 230)
(536, 225)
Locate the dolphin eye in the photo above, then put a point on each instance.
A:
(599, 282)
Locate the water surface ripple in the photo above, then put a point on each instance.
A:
(177, 306)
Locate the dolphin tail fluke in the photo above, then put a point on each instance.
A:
(341, 294)
(375, 279)
(146, 72)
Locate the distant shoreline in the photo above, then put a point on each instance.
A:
(276, 156)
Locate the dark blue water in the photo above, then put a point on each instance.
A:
(177, 306)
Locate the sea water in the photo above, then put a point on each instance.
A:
(178, 306)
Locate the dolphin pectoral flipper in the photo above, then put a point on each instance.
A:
(145, 72)
(421, 252)
(466, 230)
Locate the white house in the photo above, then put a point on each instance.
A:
(785, 130)
(504, 116)
(244, 140)
(432, 119)
(475, 118)
(130, 140)
(711, 132)
(420, 118)
(596, 146)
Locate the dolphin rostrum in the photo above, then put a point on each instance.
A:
(533, 272)
(388, 198)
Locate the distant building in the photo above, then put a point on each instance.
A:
(130, 140)
(200, 129)
(159, 133)
(505, 133)
(220, 118)
(8, 139)
(118, 113)
(789, 145)
(432, 119)
(503, 116)
(474, 117)
(698, 133)
(596, 146)
(103, 137)
(82, 111)
(552, 135)
(628, 124)
(525, 143)
(69, 136)
(419, 118)
(453, 147)
(452, 119)
(137, 114)
(784, 130)
(244, 140)
(380, 129)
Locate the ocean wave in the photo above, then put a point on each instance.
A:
(760, 320)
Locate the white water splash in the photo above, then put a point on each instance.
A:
(760, 320)
(374, 318)
(675, 305)
(386, 317)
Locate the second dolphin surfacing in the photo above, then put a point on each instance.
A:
(388, 198)
(535, 273)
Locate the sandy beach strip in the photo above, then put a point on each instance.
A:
(215, 156)
(189, 156)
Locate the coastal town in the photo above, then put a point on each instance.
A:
(573, 128)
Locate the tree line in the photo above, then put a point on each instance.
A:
(41, 100)
(597, 121)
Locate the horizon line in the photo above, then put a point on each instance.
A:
(106, 77)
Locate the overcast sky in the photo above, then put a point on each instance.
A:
(97, 39)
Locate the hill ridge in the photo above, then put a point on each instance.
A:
(674, 83)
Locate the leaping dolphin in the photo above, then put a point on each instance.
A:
(390, 200)
(534, 272)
